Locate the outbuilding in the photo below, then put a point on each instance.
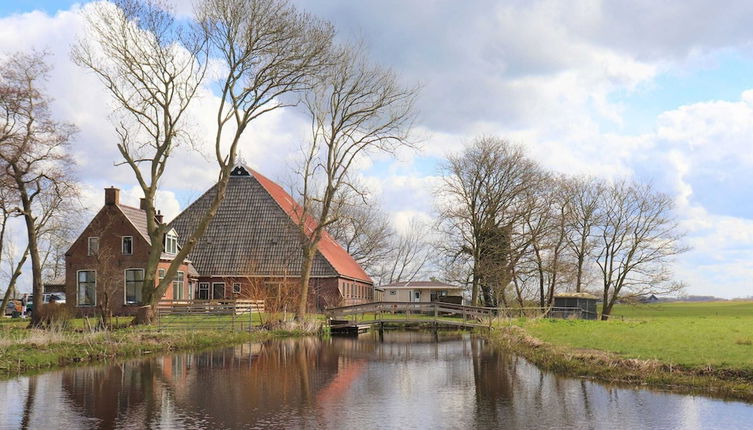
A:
(574, 305)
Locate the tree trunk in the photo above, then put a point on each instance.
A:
(308, 261)
(605, 308)
(474, 285)
(144, 315)
(13, 279)
(6, 298)
(37, 287)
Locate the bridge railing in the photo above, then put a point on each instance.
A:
(441, 309)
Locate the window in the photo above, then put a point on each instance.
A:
(393, 292)
(127, 245)
(236, 288)
(93, 243)
(134, 281)
(218, 290)
(178, 286)
(161, 274)
(171, 243)
(86, 288)
(203, 291)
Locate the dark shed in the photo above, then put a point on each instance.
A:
(566, 305)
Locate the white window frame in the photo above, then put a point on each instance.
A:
(122, 245)
(191, 289)
(125, 284)
(179, 277)
(89, 248)
(236, 290)
(78, 304)
(171, 243)
(208, 288)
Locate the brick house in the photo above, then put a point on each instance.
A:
(105, 264)
(251, 249)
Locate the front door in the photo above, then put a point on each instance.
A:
(417, 296)
(218, 290)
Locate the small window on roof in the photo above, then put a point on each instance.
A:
(171, 243)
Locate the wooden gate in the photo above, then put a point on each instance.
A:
(206, 314)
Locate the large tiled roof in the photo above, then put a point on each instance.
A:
(254, 234)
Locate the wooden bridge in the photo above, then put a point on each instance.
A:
(359, 318)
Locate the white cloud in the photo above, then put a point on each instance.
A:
(542, 74)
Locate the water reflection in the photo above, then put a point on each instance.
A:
(403, 380)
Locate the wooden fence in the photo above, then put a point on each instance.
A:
(208, 314)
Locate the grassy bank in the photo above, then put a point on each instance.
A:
(25, 350)
(698, 347)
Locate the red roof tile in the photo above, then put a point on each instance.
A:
(338, 257)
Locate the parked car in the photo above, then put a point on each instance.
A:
(53, 298)
(46, 298)
(13, 305)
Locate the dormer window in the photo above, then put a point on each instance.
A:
(127, 245)
(93, 246)
(171, 243)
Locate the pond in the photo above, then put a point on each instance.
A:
(406, 380)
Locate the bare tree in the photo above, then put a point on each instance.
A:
(33, 154)
(14, 264)
(638, 237)
(583, 194)
(409, 255)
(109, 282)
(8, 209)
(356, 108)
(547, 222)
(482, 207)
(153, 65)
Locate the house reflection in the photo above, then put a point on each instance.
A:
(400, 380)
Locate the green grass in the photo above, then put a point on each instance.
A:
(717, 335)
(24, 350)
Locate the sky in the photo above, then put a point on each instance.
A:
(661, 92)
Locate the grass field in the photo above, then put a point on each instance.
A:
(715, 335)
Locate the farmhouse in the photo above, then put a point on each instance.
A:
(250, 250)
(105, 265)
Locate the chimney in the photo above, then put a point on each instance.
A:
(112, 196)
(159, 217)
(142, 204)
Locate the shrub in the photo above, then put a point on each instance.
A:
(54, 315)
